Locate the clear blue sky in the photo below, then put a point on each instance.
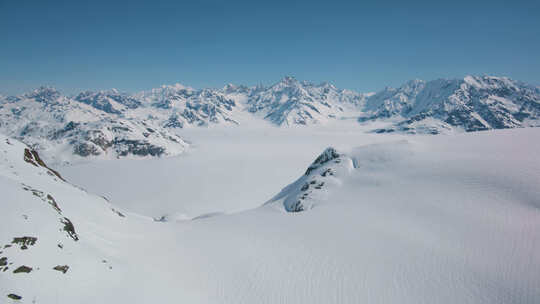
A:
(361, 45)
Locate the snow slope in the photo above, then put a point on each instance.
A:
(445, 219)
(54, 236)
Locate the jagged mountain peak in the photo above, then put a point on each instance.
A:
(44, 94)
(472, 103)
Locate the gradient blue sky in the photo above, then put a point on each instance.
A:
(360, 45)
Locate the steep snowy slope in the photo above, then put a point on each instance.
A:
(51, 231)
(473, 103)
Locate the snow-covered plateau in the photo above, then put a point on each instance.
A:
(330, 213)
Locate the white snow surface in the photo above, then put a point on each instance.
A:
(404, 219)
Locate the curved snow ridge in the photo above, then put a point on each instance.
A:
(322, 176)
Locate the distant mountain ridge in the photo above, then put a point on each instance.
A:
(472, 104)
(109, 123)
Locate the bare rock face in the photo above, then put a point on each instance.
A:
(23, 269)
(328, 155)
(14, 296)
(61, 268)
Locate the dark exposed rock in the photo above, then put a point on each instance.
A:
(14, 296)
(327, 172)
(53, 203)
(137, 147)
(328, 155)
(297, 207)
(32, 157)
(24, 241)
(69, 228)
(120, 214)
(23, 269)
(3, 261)
(61, 268)
(85, 149)
(28, 157)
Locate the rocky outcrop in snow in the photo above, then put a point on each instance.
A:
(321, 177)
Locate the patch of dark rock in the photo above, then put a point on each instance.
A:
(53, 203)
(32, 157)
(24, 241)
(28, 157)
(319, 186)
(139, 148)
(61, 268)
(297, 207)
(328, 155)
(3, 261)
(162, 219)
(60, 246)
(14, 296)
(120, 214)
(69, 228)
(7, 246)
(327, 172)
(5, 269)
(305, 187)
(38, 159)
(86, 149)
(23, 269)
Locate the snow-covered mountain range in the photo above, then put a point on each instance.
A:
(471, 104)
(110, 124)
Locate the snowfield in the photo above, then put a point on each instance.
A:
(398, 219)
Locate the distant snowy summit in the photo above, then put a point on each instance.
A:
(472, 104)
(111, 124)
